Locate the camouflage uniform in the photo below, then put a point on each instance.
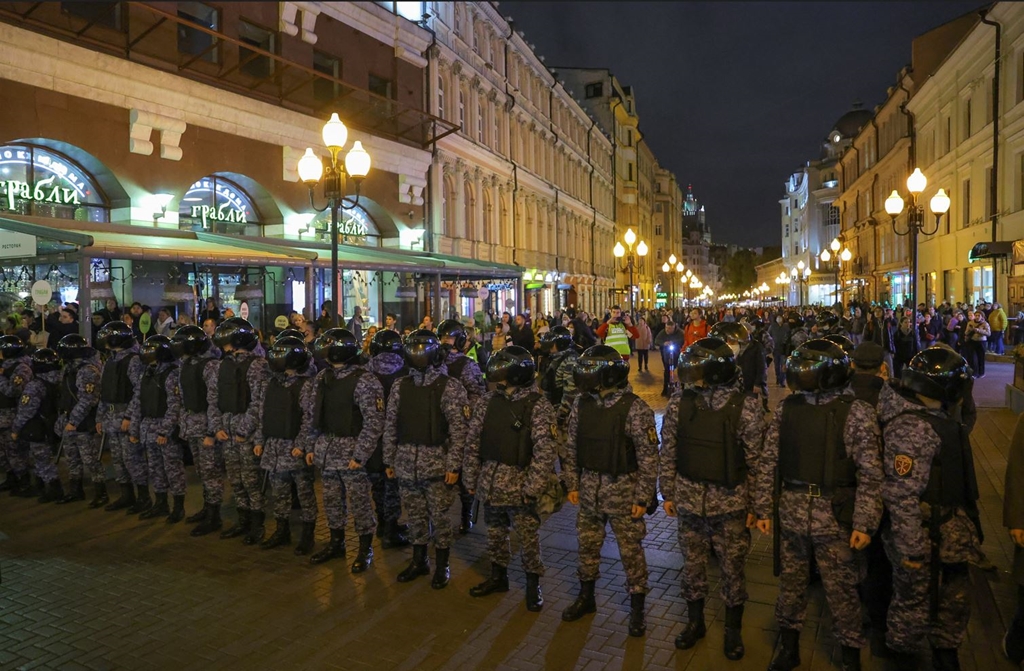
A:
(610, 499)
(386, 498)
(166, 465)
(333, 453)
(713, 516)
(420, 469)
(508, 492)
(808, 524)
(911, 445)
(277, 460)
(129, 460)
(81, 446)
(33, 398)
(16, 373)
(195, 428)
(243, 467)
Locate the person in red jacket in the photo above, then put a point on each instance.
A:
(696, 329)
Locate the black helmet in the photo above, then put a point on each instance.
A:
(512, 365)
(558, 339)
(288, 353)
(45, 360)
(842, 341)
(74, 346)
(157, 349)
(827, 321)
(938, 373)
(189, 340)
(291, 332)
(709, 360)
(600, 367)
(237, 332)
(730, 332)
(386, 340)
(336, 345)
(794, 319)
(422, 349)
(115, 335)
(818, 365)
(454, 329)
(11, 347)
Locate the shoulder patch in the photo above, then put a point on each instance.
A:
(467, 412)
(380, 404)
(652, 435)
(902, 464)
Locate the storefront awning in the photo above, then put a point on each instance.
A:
(988, 250)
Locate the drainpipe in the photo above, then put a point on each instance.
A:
(994, 186)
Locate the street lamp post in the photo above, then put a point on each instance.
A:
(619, 251)
(939, 206)
(356, 166)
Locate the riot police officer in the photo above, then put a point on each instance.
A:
(424, 445)
(121, 372)
(710, 444)
(345, 429)
(510, 455)
(79, 396)
(821, 458)
(15, 373)
(931, 492)
(610, 470)
(556, 381)
(36, 419)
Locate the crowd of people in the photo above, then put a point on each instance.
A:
(521, 415)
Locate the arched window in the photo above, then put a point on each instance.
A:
(217, 205)
(40, 182)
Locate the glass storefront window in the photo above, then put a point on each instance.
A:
(218, 205)
(39, 182)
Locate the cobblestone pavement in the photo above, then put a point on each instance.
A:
(83, 589)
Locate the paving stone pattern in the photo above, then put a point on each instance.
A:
(83, 589)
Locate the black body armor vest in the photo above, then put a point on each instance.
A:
(506, 436)
(707, 449)
(602, 442)
(115, 385)
(335, 411)
(282, 410)
(811, 445)
(8, 402)
(193, 386)
(69, 398)
(39, 429)
(421, 420)
(233, 393)
(153, 392)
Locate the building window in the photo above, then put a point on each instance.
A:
(380, 86)
(440, 96)
(252, 62)
(594, 90)
(95, 13)
(965, 204)
(195, 42)
(324, 89)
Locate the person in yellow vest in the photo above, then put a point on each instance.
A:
(617, 331)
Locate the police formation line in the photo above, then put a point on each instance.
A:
(849, 469)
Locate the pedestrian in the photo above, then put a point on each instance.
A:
(710, 440)
(36, 419)
(930, 552)
(79, 395)
(283, 404)
(822, 458)
(424, 445)
(15, 373)
(1013, 520)
(345, 428)
(610, 471)
(510, 457)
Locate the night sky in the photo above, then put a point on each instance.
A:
(733, 97)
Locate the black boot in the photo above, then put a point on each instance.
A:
(787, 655)
(142, 501)
(53, 492)
(158, 509)
(851, 658)
(256, 528)
(8, 484)
(335, 548)
(282, 535)
(534, 597)
(418, 566)
(210, 524)
(902, 661)
(125, 501)
(583, 604)
(99, 495)
(442, 573)
(498, 582)
(75, 492)
(240, 528)
(467, 513)
(307, 540)
(733, 636)
(365, 555)
(178, 512)
(637, 623)
(945, 659)
(393, 536)
(200, 516)
(694, 629)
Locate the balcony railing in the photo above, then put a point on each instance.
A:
(149, 35)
